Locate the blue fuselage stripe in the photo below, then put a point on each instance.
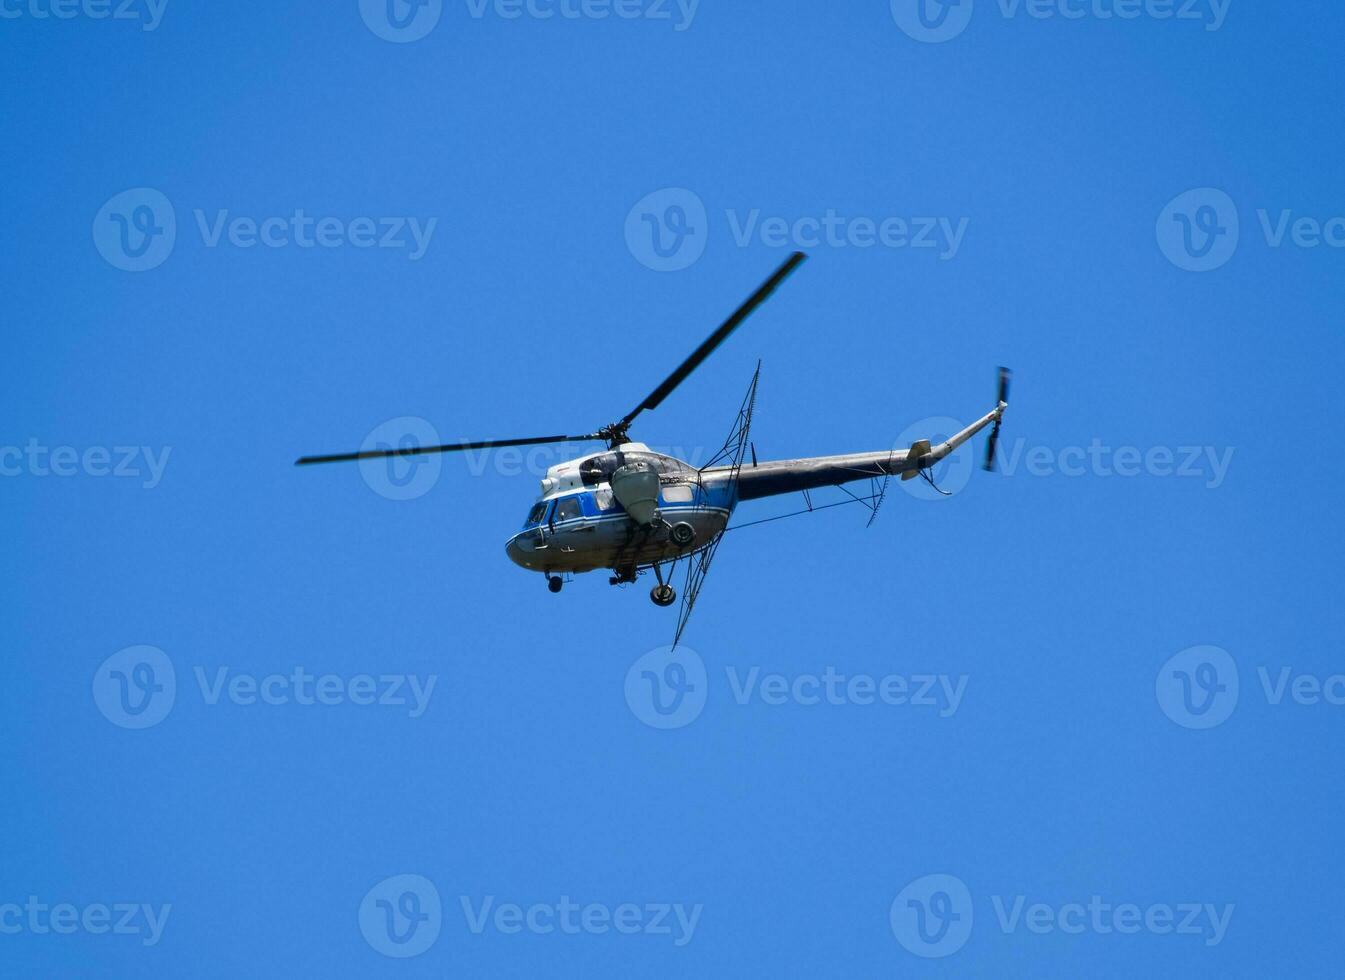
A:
(716, 499)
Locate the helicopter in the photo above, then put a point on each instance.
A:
(630, 510)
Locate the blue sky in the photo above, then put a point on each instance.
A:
(923, 748)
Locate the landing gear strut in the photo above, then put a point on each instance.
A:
(663, 594)
(554, 582)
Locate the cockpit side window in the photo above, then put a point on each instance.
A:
(679, 493)
(568, 508)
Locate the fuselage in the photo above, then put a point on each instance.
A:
(578, 525)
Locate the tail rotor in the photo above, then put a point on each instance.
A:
(1003, 402)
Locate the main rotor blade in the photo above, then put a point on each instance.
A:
(447, 448)
(719, 336)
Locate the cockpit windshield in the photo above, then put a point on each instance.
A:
(535, 515)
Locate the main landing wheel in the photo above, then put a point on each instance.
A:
(663, 595)
(554, 582)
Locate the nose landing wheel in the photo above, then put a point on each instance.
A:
(554, 582)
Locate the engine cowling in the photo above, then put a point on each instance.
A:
(636, 486)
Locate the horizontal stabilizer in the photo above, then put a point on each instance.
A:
(918, 449)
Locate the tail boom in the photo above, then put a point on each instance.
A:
(774, 477)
